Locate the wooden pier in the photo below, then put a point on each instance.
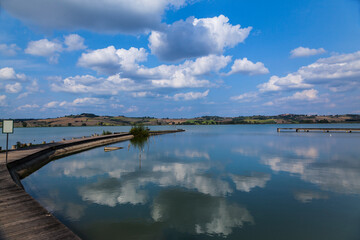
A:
(325, 130)
(21, 216)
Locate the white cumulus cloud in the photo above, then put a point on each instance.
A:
(51, 104)
(245, 97)
(101, 86)
(339, 73)
(145, 94)
(291, 81)
(13, 88)
(111, 60)
(87, 101)
(338, 67)
(8, 73)
(9, 50)
(51, 49)
(191, 95)
(45, 48)
(306, 52)
(134, 77)
(245, 66)
(74, 42)
(309, 95)
(27, 106)
(196, 37)
(186, 74)
(78, 102)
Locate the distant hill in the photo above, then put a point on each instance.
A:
(89, 119)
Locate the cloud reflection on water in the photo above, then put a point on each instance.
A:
(192, 198)
(53, 203)
(336, 171)
(130, 188)
(191, 154)
(196, 202)
(332, 175)
(306, 196)
(246, 183)
(194, 212)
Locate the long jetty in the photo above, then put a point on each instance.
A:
(347, 130)
(21, 216)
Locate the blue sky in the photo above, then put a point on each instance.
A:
(179, 58)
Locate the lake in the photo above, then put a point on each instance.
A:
(210, 182)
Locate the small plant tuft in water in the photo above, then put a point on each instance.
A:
(139, 131)
(106, 132)
(20, 145)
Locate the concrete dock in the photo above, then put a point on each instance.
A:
(347, 130)
(21, 216)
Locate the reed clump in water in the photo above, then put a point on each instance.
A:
(106, 133)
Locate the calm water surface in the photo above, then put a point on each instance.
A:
(210, 182)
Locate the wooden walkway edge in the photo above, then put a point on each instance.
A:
(21, 216)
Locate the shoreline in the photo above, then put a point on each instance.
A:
(181, 125)
(87, 119)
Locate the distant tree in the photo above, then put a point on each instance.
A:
(90, 115)
(24, 124)
(323, 121)
(69, 124)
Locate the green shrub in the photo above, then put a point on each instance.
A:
(139, 131)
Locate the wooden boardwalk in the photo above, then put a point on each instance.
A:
(347, 130)
(21, 216)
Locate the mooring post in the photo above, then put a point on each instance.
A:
(7, 147)
(7, 127)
